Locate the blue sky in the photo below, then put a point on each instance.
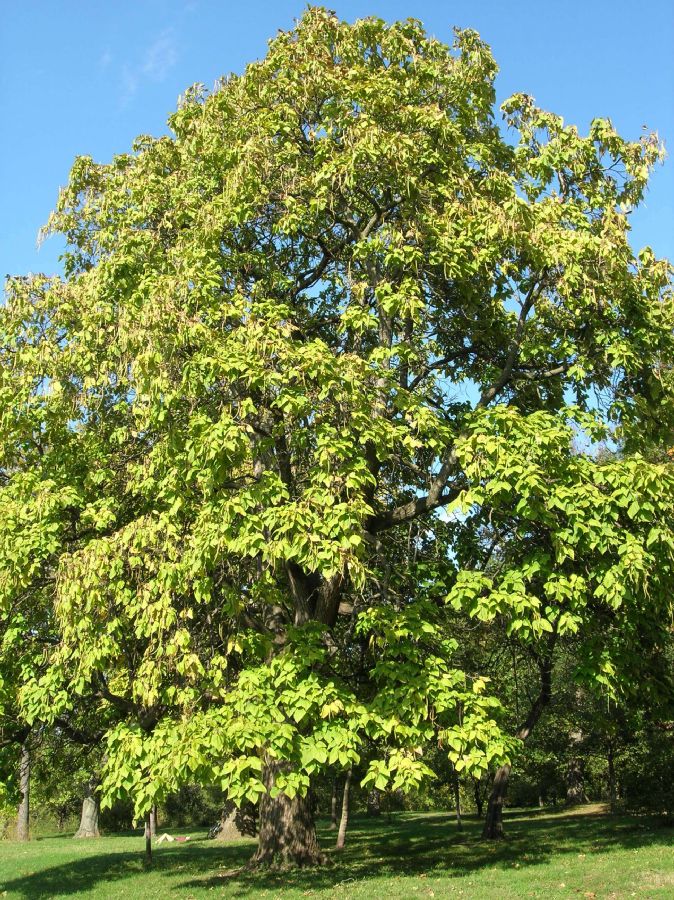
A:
(86, 78)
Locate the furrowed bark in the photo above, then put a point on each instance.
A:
(287, 832)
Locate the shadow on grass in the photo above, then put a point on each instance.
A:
(411, 844)
(81, 875)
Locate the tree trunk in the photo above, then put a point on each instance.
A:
(23, 819)
(235, 823)
(374, 802)
(89, 819)
(344, 821)
(477, 794)
(333, 805)
(612, 790)
(287, 835)
(153, 821)
(148, 840)
(457, 801)
(493, 824)
(575, 782)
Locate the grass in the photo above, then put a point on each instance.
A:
(582, 853)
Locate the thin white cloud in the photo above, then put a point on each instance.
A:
(161, 56)
(155, 64)
(129, 81)
(105, 59)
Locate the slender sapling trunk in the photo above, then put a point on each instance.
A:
(333, 805)
(23, 818)
(148, 840)
(344, 820)
(457, 801)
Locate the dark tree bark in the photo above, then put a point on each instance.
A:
(89, 819)
(477, 794)
(457, 801)
(344, 820)
(374, 802)
(575, 782)
(62, 816)
(493, 825)
(612, 787)
(23, 818)
(575, 770)
(153, 821)
(333, 805)
(287, 835)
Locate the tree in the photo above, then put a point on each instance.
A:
(344, 818)
(581, 553)
(249, 375)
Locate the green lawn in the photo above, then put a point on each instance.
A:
(548, 855)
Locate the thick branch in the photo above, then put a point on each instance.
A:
(504, 377)
(438, 364)
(436, 497)
(544, 695)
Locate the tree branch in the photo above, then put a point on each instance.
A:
(504, 377)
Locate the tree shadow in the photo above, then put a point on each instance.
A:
(79, 876)
(411, 844)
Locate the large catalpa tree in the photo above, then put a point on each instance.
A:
(251, 388)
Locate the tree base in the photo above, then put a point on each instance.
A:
(493, 823)
(287, 831)
(494, 833)
(277, 862)
(89, 819)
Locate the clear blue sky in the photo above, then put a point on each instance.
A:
(86, 78)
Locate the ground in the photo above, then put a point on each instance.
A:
(584, 853)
